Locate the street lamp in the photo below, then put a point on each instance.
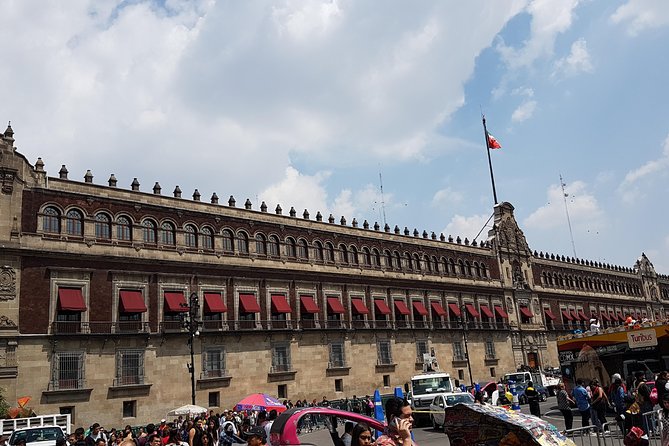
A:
(190, 320)
(463, 311)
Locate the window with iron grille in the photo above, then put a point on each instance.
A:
(67, 371)
(213, 362)
(337, 355)
(129, 367)
(458, 351)
(384, 353)
(281, 358)
(490, 350)
(51, 220)
(421, 349)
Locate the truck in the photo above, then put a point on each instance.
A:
(525, 375)
(9, 425)
(422, 389)
(623, 350)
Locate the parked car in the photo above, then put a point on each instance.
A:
(543, 393)
(37, 436)
(444, 400)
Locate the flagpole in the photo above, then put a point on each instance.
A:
(487, 146)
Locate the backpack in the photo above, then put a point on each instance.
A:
(653, 396)
(635, 437)
(370, 404)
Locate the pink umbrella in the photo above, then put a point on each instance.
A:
(260, 401)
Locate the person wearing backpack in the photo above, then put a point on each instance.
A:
(617, 398)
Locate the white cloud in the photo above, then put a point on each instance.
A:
(578, 61)
(582, 206)
(630, 187)
(447, 197)
(468, 227)
(641, 15)
(524, 111)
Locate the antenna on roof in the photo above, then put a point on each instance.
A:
(566, 210)
(383, 202)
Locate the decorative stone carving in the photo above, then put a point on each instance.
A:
(7, 180)
(6, 322)
(511, 237)
(7, 283)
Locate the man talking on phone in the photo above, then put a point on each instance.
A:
(400, 422)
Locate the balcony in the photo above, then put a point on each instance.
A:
(281, 372)
(214, 378)
(382, 323)
(66, 384)
(172, 327)
(402, 323)
(334, 324)
(309, 324)
(359, 324)
(421, 324)
(279, 324)
(86, 328)
(214, 325)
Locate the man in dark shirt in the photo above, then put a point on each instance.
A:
(660, 385)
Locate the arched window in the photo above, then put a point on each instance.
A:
(261, 245)
(291, 248)
(123, 229)
(329, 252)
(477, 269)
(190, 234)
(302, 249)
(273, 246)
(167, 234)
(387, 258)
(407, 261)
(435, 263)
(366, 257)
(51, 220)
(416, 262)
(228, 237)
(451, 266)
(428, 263)
(242, 242)
(149, 231)
(468, 268)
(461, 267)
(397, 260)
(207, 238)
(484, 270)
(377, 257)
(343, 254)
(318, 251)
(354, 255)
(74, 223)
(102, 227)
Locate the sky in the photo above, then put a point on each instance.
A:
(321, 105)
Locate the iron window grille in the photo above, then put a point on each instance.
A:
(281, 358)
(213, 363)
(421, 349)
(129, 367)
(67, 371)
(490, 350)
(337, 355)
(384, 353)
(459, 352)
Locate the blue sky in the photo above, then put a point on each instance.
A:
(304, 103)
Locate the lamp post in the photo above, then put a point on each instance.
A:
(190, 320)
(463, 311)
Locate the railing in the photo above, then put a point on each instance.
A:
(99, 327)
(281, 368)
(129, 380)
(66, 384)
(172, 327)
(359, 324)
(216, 373)
(214, 325)
(382, 323)
(280, 324)
(337, 365)
(421, 324)
(402, 323)
(334, 324)
(308, 324)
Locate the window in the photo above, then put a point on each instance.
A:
(102, 227)
(490, 349)
(51, 220)
(282, 391)
(339, 385)
(190, 236)
(337, 356)
(397, 260)
(461, 374)
(261, 245)
(421, 349)
(302, 249)
(416, 262)
(377, 257)
(354, 255)
(74, 223)
(319, 253)
(329, 252)
(366, 257)
(68, 410)
(407, 261)
(167, 234)
(207, 238)
(291, 248)
(384, 353)
(228, 245)
(214, 399)
(149, 230)
(458, 352)
(213, 363)
(386, 380)
(67, 371)
(492, 372)
(123, 229)
(343, 254)
(242, 243)
(281, 358)
(273, 246)
(130, 409)
(129, 367)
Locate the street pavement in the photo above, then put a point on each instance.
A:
(426, 436)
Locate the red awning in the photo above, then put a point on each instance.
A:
(359, 306)
(71, 299)
(213, 303)
(486, 311)
(472, 310)
(526, 311)
(419, 307)
(381, 306)
(175, 302)
(614, 317)
(437, 308)
(500, 312)
(132, 302)
(335, 306)
(280, 304)
(566, 315)
(309, 305)
(549, 314)
(581, 313)
(454, 309)
(575, 315)
(605, 315)
(248, 303)
(402, 307)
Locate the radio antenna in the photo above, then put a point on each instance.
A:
(383, 202)
(566, 211)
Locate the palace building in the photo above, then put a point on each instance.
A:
(95, 280)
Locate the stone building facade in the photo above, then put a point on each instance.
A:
(94, 280)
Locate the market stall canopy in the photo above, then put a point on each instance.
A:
(260, 401)
(496, 426)
(188, 409)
